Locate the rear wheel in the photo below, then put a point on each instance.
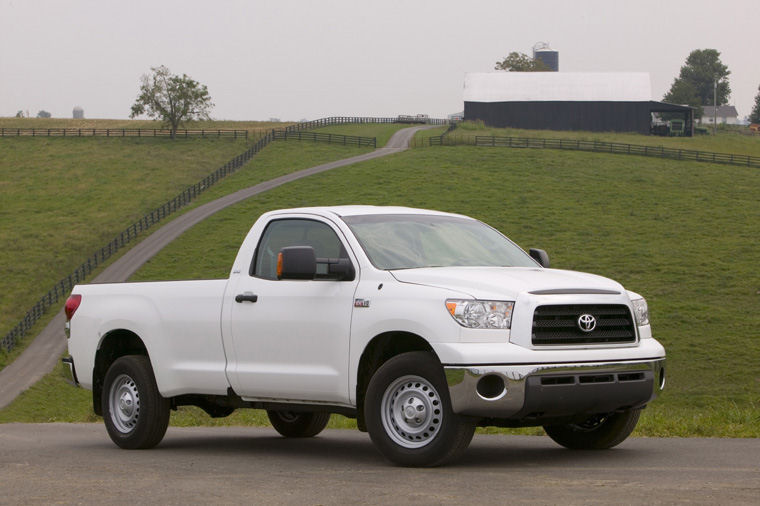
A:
(597, 433)
(408, 412)
(135, 413)
(293, 424)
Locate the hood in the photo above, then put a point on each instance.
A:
(501, 283)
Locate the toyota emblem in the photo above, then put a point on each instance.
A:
(586, 322)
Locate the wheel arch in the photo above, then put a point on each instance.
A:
(115, 344)
(379, 350)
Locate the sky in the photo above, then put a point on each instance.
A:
(298, 59)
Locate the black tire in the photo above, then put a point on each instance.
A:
(294, 424)
(135, 413)
(597, 433)
(408, 385)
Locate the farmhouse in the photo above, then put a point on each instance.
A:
(595, 101)
(725, 114)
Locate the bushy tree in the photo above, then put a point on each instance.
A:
(172, 98)
(43, 114)
(521, 62)
(754, 116)
(694, 84)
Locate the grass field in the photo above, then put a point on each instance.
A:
(684, 235)
(61, 199)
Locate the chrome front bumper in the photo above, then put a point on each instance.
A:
(547, 391)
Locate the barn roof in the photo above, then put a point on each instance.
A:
(557, 87)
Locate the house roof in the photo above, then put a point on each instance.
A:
(724, 111)
(557, 87)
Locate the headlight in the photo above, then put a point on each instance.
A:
(481, 314)
(641, 312)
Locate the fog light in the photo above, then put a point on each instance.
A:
(491, 387)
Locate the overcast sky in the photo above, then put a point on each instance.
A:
(309, 59)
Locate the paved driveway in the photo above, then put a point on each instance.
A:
(77, 463)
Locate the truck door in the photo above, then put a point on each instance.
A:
(291, 337)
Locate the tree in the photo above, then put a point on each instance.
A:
(521, 62)
(694, 84)
(43, 114)
(172, 98)
(754, 116)
(20, 114)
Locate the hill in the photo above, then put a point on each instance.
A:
(63, 198)
(681, 234)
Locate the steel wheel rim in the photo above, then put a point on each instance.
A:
(591, 424)
(287, 416)
(124, 403)
(412, 412)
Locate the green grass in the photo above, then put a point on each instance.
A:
(684, 235)
(681, 234)
(726, 141)
(64, 198)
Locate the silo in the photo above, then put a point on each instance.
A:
(550, 57)
(78, 113)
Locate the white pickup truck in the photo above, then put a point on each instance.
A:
(420, 324)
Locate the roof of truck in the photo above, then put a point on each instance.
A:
(357, 210)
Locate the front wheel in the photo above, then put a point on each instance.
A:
(135, 413)
(408, 412)
(597, 433)
(292, 424)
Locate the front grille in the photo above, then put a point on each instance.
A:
(558, 325)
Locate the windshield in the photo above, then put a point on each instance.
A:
(409, 241)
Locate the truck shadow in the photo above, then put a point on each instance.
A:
(346, 448)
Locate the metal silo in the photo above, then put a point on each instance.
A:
(78, 113)
(550, 57)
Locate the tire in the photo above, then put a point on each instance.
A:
(408, 413)
(596, 433)
(135, 413)
(292, 424)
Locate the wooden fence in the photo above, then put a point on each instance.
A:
(120, 132)
(282, 134)
(597, 147)
(345, 120)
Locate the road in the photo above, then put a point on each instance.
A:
(77, 463)
(46, 349)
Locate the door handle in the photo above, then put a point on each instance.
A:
(246, 297)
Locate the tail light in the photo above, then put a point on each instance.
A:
(72, 304)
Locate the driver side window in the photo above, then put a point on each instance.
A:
(295, 232)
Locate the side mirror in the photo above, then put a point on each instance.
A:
(340, 269)
(296, 262)
(540, 256)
